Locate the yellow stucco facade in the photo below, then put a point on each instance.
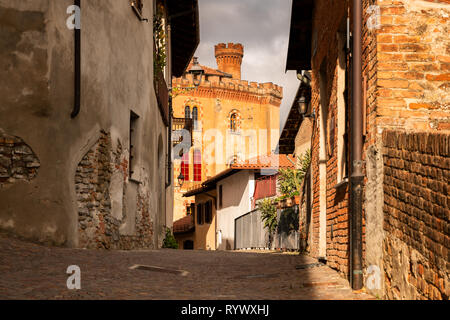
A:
(235, 120)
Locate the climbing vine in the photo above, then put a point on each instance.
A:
(159, 36)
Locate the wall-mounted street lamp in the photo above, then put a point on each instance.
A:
(197, 73)
(303, 108)
(180, 180)
(302, 105)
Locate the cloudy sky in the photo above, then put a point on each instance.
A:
(262, 26)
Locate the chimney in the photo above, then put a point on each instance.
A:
(229, 58)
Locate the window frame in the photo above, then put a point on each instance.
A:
(197, 165)
(234, 122)
(208, 212)
(200, 214)
(195, 117)
(184, 167)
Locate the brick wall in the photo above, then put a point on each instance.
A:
(98, 226)
(406, 76)
(329, 16)
(17, 160)
(414, 64)
(416, 207)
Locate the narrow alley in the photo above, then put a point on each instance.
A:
(31, 271)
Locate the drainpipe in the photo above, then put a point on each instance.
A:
(169, 83)
(77, 71)
(356, 178)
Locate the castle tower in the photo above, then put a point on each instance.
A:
(229, 58)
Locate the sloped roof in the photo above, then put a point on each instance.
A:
(185, 224)
(272, 161)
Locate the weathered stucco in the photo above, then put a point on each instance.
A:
(36, 99)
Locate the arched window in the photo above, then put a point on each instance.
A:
(197, 165)
(233, 123)
(195, 117)
(185, 166)
(187, 112)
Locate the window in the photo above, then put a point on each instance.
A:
(233, 123)
(187, 112)
(208, 212)
(197, 165)
(195, 117)
(200, 213)
(185, 166)
(133, 136)
(220, 196)
(190, 209)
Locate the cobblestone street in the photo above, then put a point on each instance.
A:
(30, 271)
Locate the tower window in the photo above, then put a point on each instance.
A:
(187, 112)
(195, 117)
(185, 166)
(233, 123)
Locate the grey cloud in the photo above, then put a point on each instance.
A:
(262, 26)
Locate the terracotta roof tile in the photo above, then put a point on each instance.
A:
(272, 161)
(184, 224)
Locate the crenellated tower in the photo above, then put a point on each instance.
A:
(229, 58)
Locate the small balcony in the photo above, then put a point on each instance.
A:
(180, 126)
(266, 187)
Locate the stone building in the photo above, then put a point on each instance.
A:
(233, 120)
(403, 123)
(84, 143)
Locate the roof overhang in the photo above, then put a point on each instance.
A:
(210, 184)
(185, 33)
(300, 36)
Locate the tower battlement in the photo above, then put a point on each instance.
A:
(229, 58)
(253, 90)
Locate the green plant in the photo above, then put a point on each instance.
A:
(169, 240)
(159, 36)
(291, 179)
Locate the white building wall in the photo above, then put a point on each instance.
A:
(235, 202)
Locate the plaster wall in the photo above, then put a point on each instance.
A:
(36, 99)
(236, 202)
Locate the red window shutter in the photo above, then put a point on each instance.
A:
(197, 165)
(185, 166)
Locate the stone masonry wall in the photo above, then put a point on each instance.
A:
(98, 228)
(17, 160)
(417, 214)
